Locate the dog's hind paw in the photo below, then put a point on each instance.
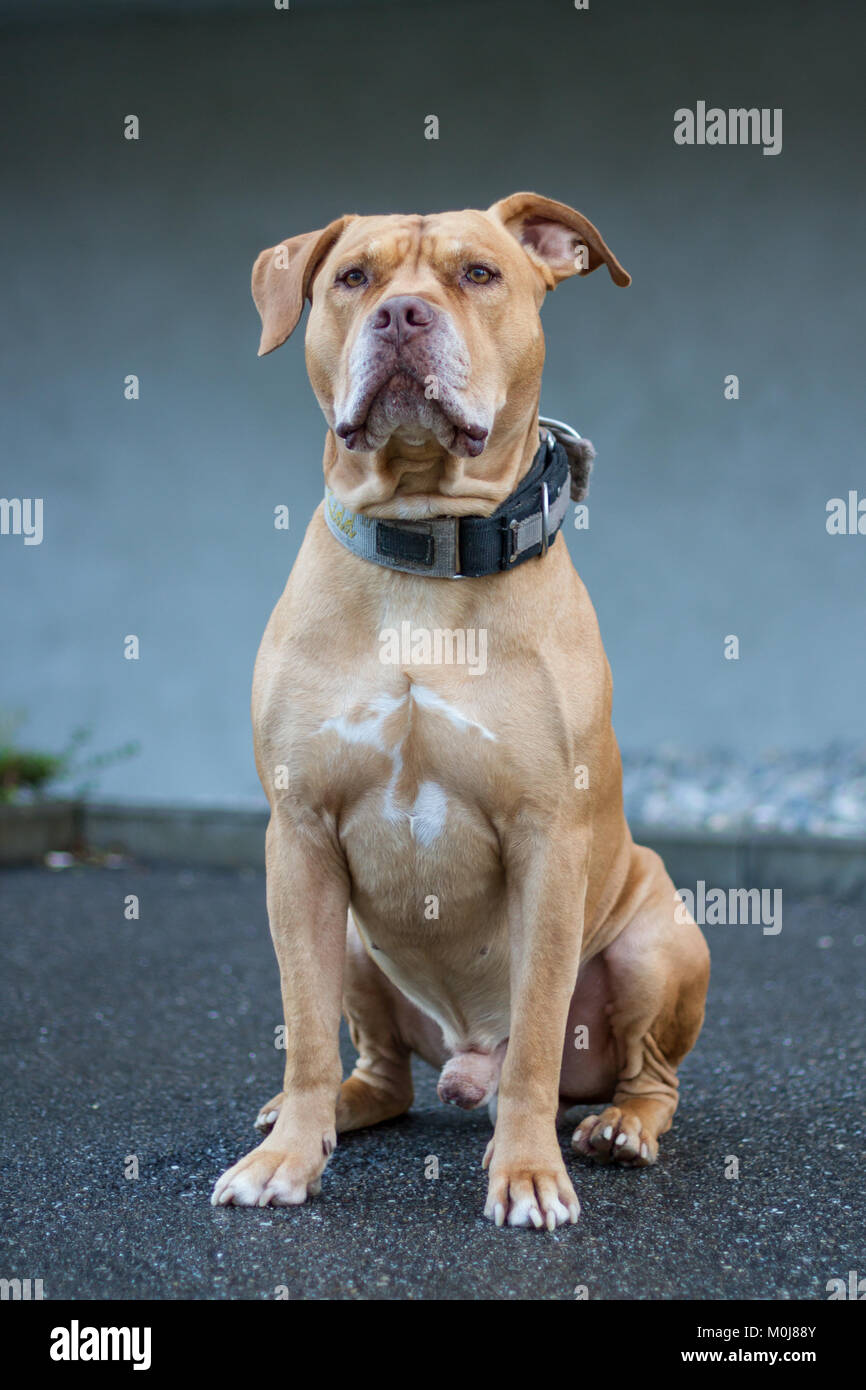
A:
(267, 1116)
(358, 1106)
(615, 1136)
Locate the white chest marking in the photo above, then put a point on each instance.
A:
(428, 699)
(369, 729)
(429, 810)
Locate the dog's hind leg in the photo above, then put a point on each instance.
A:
(380, 1086)
(385, 1028)
(657, 971)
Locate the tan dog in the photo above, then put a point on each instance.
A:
(501, 915)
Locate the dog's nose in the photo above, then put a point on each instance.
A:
(402, 318)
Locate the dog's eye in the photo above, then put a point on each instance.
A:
(354, 278)
(479, 274)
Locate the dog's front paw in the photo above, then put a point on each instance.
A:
(274, 1175)
(535, 1194)
(615, 1136)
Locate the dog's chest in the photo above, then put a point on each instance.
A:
(407, 759)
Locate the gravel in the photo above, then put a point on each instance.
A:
(821, 793)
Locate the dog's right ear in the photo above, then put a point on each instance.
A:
(283, 278)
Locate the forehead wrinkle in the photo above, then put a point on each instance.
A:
(446, 249)
(419, 245)
(388, 247)
(449, 239)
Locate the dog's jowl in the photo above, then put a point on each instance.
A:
(434, 868)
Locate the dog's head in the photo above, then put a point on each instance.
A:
(424, 343)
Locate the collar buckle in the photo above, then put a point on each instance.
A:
(513, 527)
(456, 574)
(545, 519)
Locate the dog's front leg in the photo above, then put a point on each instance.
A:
(528, 1183)
(308, 898)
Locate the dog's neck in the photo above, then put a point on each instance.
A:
(448, 546)
(412, 481)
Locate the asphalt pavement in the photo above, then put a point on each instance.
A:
(148, 1046)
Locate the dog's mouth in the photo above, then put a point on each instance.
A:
(404, 404)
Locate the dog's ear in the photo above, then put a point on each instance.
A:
(559, 241)
(283, 278)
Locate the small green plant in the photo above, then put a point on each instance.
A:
(19, 769)
(26, 774)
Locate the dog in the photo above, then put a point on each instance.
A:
(448, 860)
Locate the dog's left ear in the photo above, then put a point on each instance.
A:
(558, 240)
(283, 278)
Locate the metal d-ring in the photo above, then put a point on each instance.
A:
(559, 427)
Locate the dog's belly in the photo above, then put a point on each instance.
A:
(427, 883)
(589, 1062)
(432, 915)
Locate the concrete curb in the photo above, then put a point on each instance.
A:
(802, 865)
(212, 837)
(28, 832)
(234, 838)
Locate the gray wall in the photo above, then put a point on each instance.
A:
(707, 516)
